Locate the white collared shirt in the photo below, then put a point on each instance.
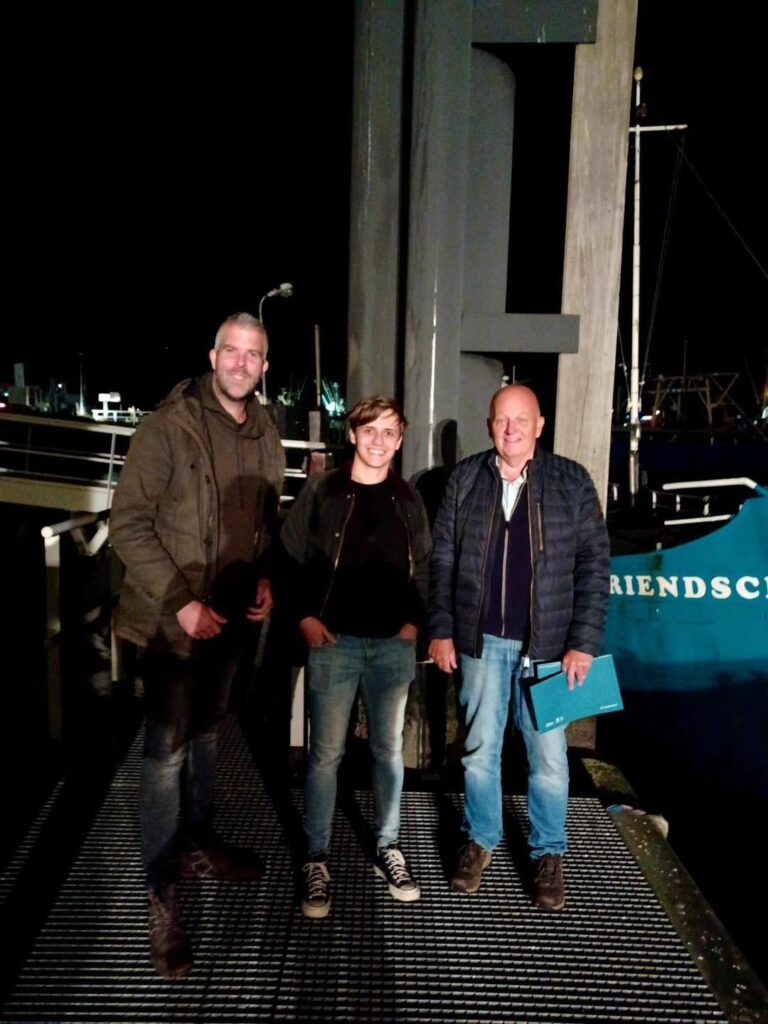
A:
(510, 490)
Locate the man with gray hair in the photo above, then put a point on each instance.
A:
(191, 522)
(519, 573)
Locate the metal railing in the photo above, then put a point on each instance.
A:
(706, 515)
(88, 548)
(60, 463)
(39, 467)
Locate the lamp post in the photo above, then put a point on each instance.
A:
(81, 403)
(285, 291)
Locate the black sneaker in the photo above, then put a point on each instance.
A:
(548, 885)
(390, 864)
(317, 898)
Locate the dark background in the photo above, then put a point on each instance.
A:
(164, 174)
(161, 174)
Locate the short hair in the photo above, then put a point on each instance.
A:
(369, 409)
(246, 320)
(513, 387)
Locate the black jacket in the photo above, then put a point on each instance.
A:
(569, 556)
(313, 534)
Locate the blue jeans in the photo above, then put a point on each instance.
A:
(184, 701)
(383, 668)
(487, 683)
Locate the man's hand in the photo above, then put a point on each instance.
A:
(199, 621)
(262, 606)
(314, 632)
(443, 653)
(408, 632)
(576, 664)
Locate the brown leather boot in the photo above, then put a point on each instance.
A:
(548, 885)
(213, 858)
(171, 952)
(472, 861)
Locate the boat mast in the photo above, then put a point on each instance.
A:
(634, 373)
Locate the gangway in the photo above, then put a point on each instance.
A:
(635, 942)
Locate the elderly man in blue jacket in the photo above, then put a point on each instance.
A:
(519, 573)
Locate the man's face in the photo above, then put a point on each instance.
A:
(515, 424)
(239, 362)
(376, 442)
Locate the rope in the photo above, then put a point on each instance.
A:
(663, 256)
(763, 270)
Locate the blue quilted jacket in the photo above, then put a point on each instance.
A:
(569, 556)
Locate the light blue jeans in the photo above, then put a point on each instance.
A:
(383, 669)
(487, 684)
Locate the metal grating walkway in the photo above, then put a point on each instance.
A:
(611, 956)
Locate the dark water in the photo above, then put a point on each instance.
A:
(697, 759)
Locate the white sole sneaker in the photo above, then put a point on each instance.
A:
(309, 910)
(317, 898)
(403, 895)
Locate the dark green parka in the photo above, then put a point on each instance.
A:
(165, 522)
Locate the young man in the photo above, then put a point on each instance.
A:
(190, 521)
(358, 542)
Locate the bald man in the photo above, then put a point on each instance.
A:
(519, 573)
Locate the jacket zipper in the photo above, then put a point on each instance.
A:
(504, 582)
(527, 655)
(541, 527)
(347, 517)
(485, 560)
(406, 516)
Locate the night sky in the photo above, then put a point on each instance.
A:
(712, 300)
(169, 175)
(164, 174)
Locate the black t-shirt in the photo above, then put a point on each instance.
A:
(370, 593)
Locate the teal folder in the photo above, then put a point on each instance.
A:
(554, 704)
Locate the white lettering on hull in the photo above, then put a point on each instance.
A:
(690, 588)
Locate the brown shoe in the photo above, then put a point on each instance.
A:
(171, 952)
(217, 859)
(472, 861)
(548, 886)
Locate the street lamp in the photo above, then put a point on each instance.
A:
(285, 291)
(81, 403)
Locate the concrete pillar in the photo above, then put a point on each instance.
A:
(441, 103)
(486, 229)
(375, 198)
(596, 193)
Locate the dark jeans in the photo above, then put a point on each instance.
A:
(185, 699)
